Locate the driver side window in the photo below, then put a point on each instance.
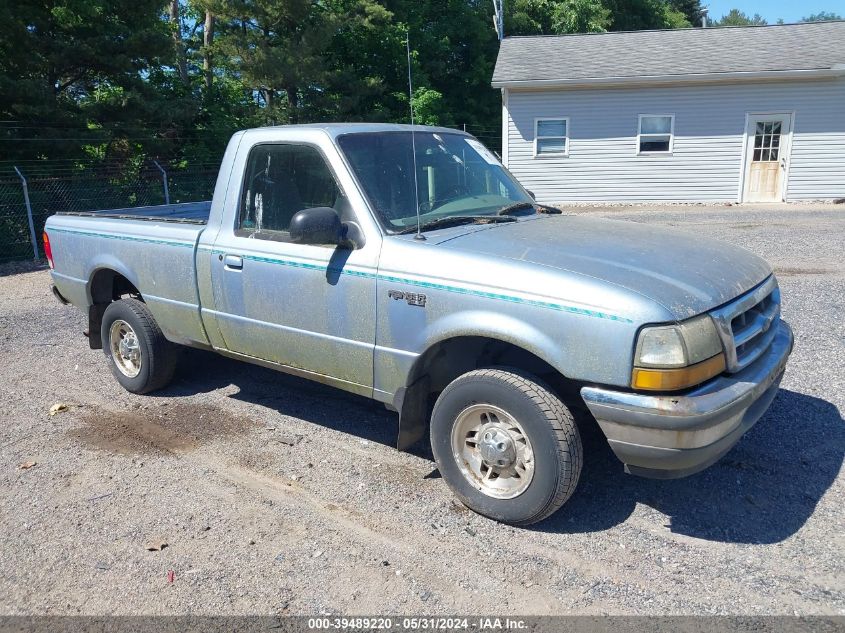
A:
(280, 180)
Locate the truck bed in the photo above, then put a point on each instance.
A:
(154, 248)
(185, 213)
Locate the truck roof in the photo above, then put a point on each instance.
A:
(337, 129)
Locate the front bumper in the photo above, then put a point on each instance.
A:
(669, 436)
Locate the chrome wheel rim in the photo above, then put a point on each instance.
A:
(493, 451)
(125, 348)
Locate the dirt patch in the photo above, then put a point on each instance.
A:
(792, 272)
(746, 226)
(258, 460)
(176, 428)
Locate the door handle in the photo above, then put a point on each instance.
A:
(235, 262)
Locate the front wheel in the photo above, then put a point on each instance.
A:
(506, 445)
(139, 356)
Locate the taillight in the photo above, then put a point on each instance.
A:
(48, 252)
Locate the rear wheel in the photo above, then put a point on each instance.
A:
(139, 356)
(506, 445)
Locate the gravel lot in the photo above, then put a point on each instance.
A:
(280, 496)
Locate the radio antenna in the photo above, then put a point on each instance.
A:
(419, 235)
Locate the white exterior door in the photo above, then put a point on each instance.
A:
(768, 139)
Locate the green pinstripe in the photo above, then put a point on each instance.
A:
(367, 275)
(124, 238)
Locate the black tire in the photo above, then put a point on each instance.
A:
(548, 425)
(158, 355)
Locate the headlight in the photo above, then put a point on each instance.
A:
(671, 357)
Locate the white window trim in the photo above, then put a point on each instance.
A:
(566, 142)
(671, 135)
(505, 124)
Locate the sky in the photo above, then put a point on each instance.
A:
(771, 10)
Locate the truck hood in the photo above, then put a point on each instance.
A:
(684, 273)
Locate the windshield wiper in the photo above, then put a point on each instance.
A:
(518, 206)
(524, 206)
(456, 220)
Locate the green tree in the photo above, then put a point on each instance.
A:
(540, 17)
(75, 69)
(822, 16)
(735, 17)
(428, 107)
(528, 17)
(636, 15)
(174, 78)
(274, 49)
(367, 62)
(580, 16)
(692, 10)
(291, 54)
(454, 49)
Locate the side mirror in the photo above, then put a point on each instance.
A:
(531, 193)
(317, 225)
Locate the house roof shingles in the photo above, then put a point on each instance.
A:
(633, 54)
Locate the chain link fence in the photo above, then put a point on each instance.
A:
(490, 136)
(29, 194)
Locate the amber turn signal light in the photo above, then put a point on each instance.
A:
(673, 379)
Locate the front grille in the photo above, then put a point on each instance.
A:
(746, 324)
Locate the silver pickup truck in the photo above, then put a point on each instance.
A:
(407, 265)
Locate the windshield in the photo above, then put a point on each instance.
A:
(456, 177)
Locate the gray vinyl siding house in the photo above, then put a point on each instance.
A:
(746, 114)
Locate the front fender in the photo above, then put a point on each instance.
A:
(502, 327)
(411, 398)
(394, 366)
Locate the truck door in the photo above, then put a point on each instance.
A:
(311, 308)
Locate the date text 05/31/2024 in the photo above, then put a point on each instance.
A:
(417, 623)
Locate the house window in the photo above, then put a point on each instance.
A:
(655, 133)
(551, 136)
